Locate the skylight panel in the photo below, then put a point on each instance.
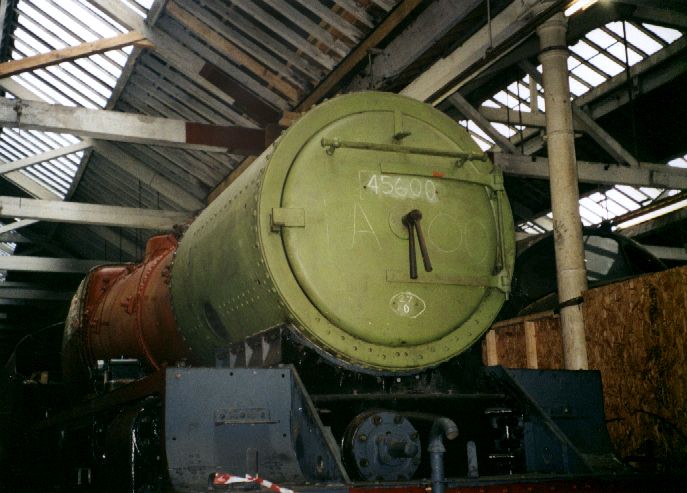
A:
(502, 98)
(588, 75)
(65, 166)
(9, 151)
(107, 64)
(60, 139)
(482, 139)
(483, 145)
(55, 178)
(633, 193)
(475, 129)
(59, 35)
(86, 82)
(622, 200)
(513, 88)
(584, 221)
(651, 192)
(635, 37)
(28, 140)
(135, 7)
(576, 87)
(37, 86)
(523, 92)
(75, 99)
(32, 45)
(504, 129)
(84, 25)
(618, 50)
(53, 166)
(38, 177)
(602, 39)
(573, 62)
(103, 76)
(67, 22)
(82, 91)
(612, 207)
(604, 63)
(544, 222)
(588, 217)
(37, 37)
(583, 50)
(96, 22)
(665, 33)
(531, 228)
(594, 207)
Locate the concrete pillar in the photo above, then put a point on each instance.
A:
(567, 225)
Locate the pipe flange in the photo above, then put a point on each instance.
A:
(382, 446)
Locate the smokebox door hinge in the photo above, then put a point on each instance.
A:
(282, 217)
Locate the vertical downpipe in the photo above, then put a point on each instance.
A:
(567, 225)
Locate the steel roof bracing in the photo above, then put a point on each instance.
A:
(239, 69)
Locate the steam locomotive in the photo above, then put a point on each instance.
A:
(314, 327)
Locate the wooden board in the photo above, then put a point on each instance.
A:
(637, 338)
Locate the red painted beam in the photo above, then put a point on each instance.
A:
(254, 107)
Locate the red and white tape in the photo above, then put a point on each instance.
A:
(226, 479)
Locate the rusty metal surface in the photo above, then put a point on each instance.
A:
(126, 311)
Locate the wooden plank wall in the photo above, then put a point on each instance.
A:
(637, 338)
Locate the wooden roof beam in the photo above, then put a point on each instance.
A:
(48, 264)
(91, 214)
(13, 226)
(44, 156)
(70, 53)
(131, 127)
(644, 175)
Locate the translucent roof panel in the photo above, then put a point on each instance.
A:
(44, 26)
(598, 56)
(680, 162)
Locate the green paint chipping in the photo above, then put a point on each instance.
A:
(312, 234)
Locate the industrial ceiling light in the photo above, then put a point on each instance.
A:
(577, 5)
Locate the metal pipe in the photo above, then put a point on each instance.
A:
(570, 267)
(440, 427)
